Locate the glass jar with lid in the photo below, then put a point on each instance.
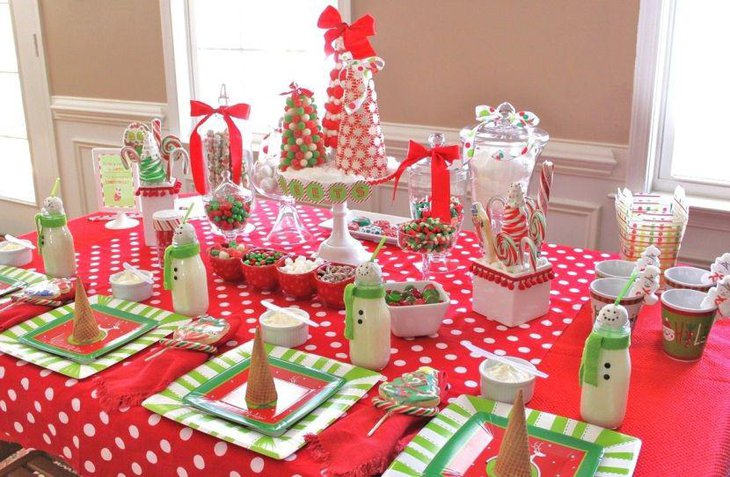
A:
(420, 195)
(501, 149)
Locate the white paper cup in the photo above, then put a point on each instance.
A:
(604, 291)
(614, 269)
(286, 336)
(691, 278)
(131, 291)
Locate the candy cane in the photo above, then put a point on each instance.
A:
(391, 406)
(157, 131)
(546, 181)
(527, 245)
(537, 225)
(129, 155)
(506, 249)
(171, 150)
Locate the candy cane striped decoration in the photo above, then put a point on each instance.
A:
(537, 226)
(391, 406)
(157, 131)
(546, 182)
(506, 249)
(514, 222)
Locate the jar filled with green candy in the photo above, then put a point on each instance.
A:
(228, 208)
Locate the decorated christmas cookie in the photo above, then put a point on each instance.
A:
(419, 388)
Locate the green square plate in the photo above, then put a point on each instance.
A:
(469, 430)
(119, 327)
(300, 390)
(166, 321)
(356, 382)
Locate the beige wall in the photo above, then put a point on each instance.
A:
(569, 61)
(104, 48)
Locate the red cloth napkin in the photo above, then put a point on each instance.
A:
(130, 384)
(346, 450)
(681, 411)
(14, 312)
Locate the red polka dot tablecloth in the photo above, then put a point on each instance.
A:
(62, 416)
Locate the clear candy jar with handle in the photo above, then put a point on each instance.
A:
(501, 149)
(420, 200)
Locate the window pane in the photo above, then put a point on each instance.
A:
(12, 118)
(699, 91)
(8, 60)
(257, 49)
(19, 183)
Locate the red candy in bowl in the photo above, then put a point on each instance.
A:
(259, 268)
(331, 280)
(225, 258)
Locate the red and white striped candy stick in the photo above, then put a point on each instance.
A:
(391, 407)
(527, 245)
(546, 182)
(157, 132)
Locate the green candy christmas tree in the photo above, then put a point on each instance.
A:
(302, 141)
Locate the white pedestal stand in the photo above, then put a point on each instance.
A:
(123, 221)
(341, 247)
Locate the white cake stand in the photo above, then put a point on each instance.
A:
(341, 247)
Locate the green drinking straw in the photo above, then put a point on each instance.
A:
(625, 290)
(187, 214)
(377, 249)
(56, 184)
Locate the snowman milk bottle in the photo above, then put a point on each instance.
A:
(55, 242)
(367, 318)
(605, 369)
(185, 273)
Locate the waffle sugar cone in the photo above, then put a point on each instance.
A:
(514, 453)
(261, 391)
(85, 328)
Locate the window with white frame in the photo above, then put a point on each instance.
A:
(14, 144)
(257, 48)
(693, 98)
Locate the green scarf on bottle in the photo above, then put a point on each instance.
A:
(352, 291)
(177, 251)
(594, 344)
(43, 221)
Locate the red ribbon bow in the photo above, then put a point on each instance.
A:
(441, 157)
(355, 36)
(199, 108)
(295, 89)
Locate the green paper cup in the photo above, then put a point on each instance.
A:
(686, 324)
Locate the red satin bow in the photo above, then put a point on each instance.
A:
(355, 36)
(296, 89)
(199, 108)
(441, 157)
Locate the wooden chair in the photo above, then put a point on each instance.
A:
(18, 462)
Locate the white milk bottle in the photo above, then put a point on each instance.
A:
(185, 274)
(605, 369)
(367, 318)
(55, 242)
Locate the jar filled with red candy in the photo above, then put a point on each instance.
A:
(228, 208)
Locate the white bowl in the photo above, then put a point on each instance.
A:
(501, 391)
(409, 321)
(131, 291)
(692, 278)
(604, 291)
(614, 268)
(16, 258)
(286, 336)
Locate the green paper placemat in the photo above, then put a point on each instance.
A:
(168, 403)
(620, 452)
(10, 274)
(9, 339)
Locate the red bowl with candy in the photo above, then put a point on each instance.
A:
(331, 280)
(298, 285)
(259, 268)
(225, 259)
